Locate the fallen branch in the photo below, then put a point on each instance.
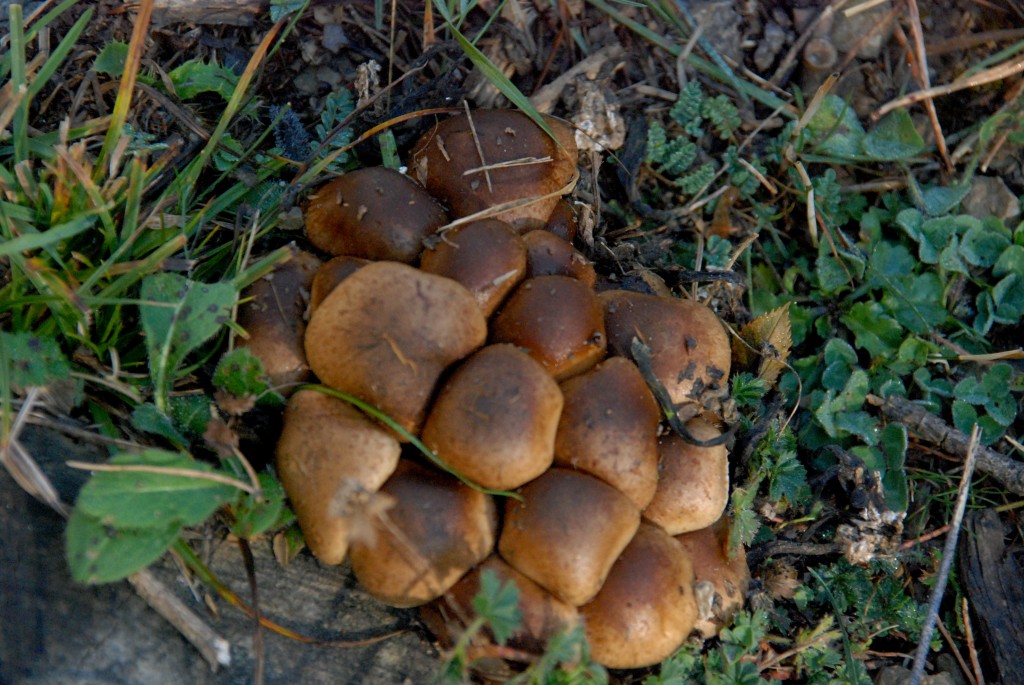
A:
(934, 430)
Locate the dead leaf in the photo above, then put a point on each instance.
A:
(769, 337)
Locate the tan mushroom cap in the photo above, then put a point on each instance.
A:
(567, 532)
(690, 350)
(437, 530)
(272, 312)
(522, 163)
(558, 320)
(720, 582)
(549, 255)
(329, 451)
(495, 418)
(328, 276)
(694, 486)
(609, 428)
(645, 610)
(386, 334)
(487, 257)
(375, 213)
(544, 615)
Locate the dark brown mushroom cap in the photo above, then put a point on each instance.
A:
(549, 255)
(567, 532)
(272, 312)
(375, 213)
(328, 276)
(329, 451)
(693, 488)
(720, 582)
(609, 428)
(386, 334)
(521, 162)
(690, 351)
(563, 221)
(544, 615)
(486, 256)
(495, 418)
(558, 320)
(645, 610)
(437, 530)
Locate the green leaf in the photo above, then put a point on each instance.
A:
(195, 77)
(1010, 261)
(837, 120)
(875, 331)
(890, 262)
(939, 200)
(787, 478)
(178, 316)
(190, 413)
(1003, 410)
(143, 499)
(858, 423)
(241, 373)
(1008, 297)
(111, 59)
(99, 553)
(964, 416)
(147, 418)
(499, 604)
(838, 351)
(893, 138)
(893, 441)
(32, 360)
(916, 302)
(996, 381)
(983, 246)
(254, 517)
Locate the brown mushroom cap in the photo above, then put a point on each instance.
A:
(544, 615)
(386, 334)
(329, 450)
(521, 162)
(558, 320)
(690, 351)
(645, 610)
(567, 532)
(563, 221)
(609, 428)
(495, 418)
(549, 255)
(694, 486)
(720, 582)
(486, 256)
(330, 275)
(272, 312)
(437, 530)
(376, 213)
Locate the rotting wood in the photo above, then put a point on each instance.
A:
(934, 430)
(991, 577)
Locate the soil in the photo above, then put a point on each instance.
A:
(53, 631)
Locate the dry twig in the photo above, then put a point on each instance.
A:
(933, 429)
(948, 552)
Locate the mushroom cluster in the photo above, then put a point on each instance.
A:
(456, 305)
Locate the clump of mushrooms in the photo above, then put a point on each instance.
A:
(456, 305)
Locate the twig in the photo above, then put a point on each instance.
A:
(948, 552)
(214, 649)
(924, 538)
(921, 66)
(933, 429)
(996, 73)
(956, 652)
(979, 677)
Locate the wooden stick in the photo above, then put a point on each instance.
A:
(933, 429)
(948, 552)
(213, 648)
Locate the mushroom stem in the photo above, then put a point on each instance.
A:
(412, 439)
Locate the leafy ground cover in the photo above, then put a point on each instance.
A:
(870, 262)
